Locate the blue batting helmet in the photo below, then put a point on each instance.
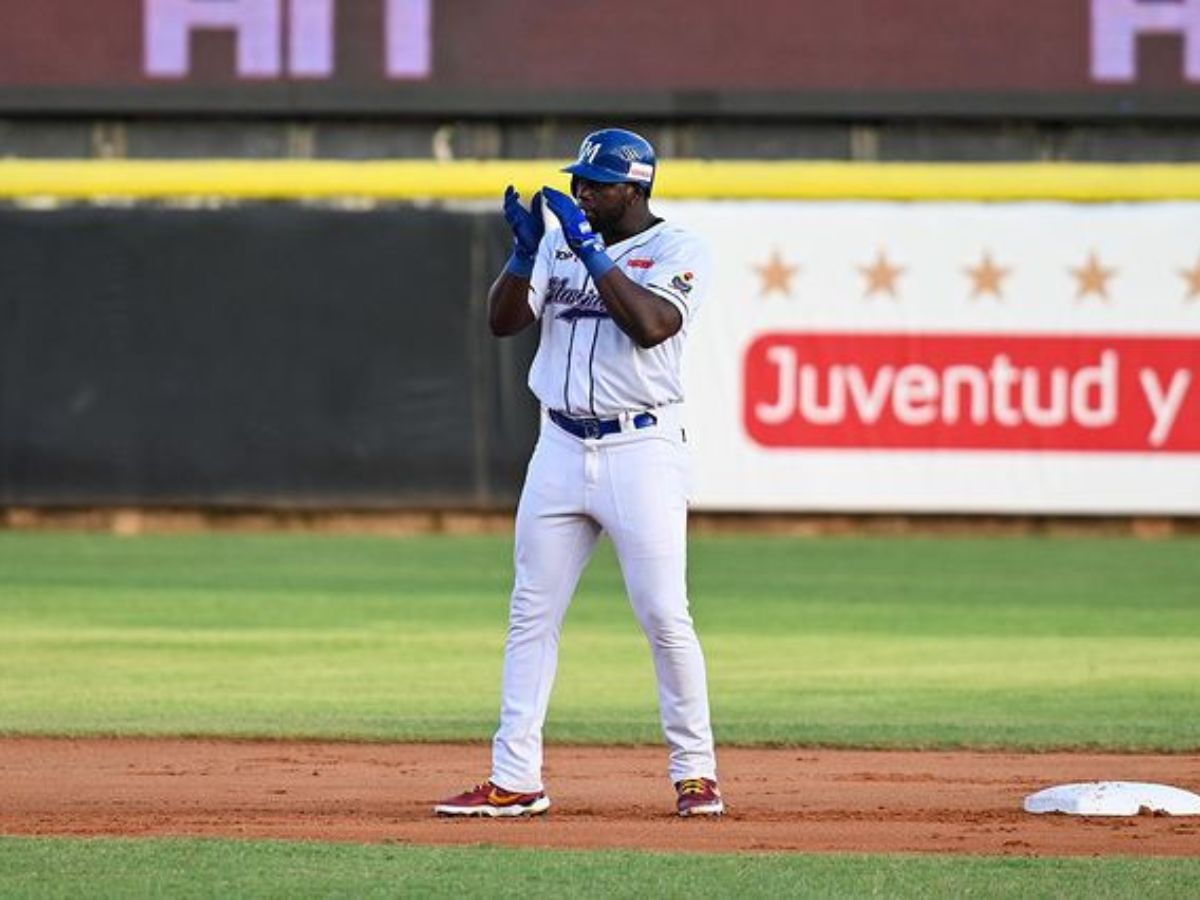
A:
(614, 156)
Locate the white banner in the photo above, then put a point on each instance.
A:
(953, 357)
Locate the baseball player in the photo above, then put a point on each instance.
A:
(614, 290)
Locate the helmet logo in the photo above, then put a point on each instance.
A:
(587, 153)
(641, 172)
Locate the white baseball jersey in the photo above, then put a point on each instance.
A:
(586, 366)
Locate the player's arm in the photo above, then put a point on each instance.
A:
(508, 304)
(508, 298)
(642, 314)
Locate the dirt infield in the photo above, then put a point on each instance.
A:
(789, 800)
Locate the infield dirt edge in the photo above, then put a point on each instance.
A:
(797, 800)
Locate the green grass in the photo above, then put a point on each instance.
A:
(193, 868)
(884, 642)
(1022, 643)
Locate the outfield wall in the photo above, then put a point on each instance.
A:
(975, 339)
(256, 355)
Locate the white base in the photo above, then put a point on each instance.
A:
(1114, 798)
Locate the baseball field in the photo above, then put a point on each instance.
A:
(274, 714)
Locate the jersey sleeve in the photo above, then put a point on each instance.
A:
(540, 278)
(682, 274)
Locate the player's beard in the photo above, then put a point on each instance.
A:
(606, 222)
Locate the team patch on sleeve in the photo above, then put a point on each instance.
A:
(683, 282)
(639, 263)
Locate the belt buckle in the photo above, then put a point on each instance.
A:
(591, 428)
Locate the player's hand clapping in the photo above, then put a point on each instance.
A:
(527, 227)
(577, 231)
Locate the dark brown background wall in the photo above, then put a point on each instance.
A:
(262, 355)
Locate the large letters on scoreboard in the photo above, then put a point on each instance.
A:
(1129, 57)
(1117, 24)
(258, 27)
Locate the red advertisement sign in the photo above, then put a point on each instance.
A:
(1090, 394)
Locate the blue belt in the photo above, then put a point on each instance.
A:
(598, 428)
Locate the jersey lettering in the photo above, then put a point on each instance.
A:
(579, 302)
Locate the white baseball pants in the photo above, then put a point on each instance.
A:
(632, 485)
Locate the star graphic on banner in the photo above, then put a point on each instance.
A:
(1093, 278)
(881, 276)
(987, 277)
(1192, 277)
(776, 275)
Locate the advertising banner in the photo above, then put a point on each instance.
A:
(757, 57)
(1021, 358)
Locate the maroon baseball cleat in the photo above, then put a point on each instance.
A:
(699, 797)
(489, 800)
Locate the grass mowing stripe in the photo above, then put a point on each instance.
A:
(45, 868)
(867, 642)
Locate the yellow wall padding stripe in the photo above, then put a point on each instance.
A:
(678, 179)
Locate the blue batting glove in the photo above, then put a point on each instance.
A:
(527, 226)
(577, 230)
